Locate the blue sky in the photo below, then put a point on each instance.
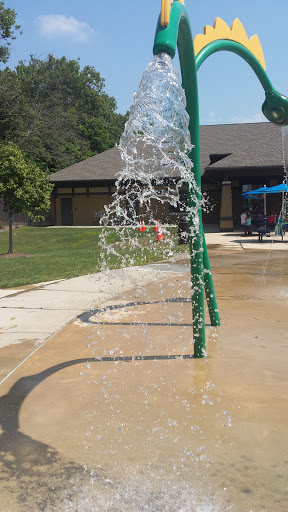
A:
(117, 39)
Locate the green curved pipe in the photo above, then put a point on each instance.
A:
(275, 106)
(178, 33)
(242, 51)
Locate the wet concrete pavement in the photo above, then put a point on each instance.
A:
(29, 316)
(113, 414)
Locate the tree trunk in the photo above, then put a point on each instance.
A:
(10, 250)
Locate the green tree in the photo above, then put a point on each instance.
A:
(24, 188)
(7, 24)
(57, 113)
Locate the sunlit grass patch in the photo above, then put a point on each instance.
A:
(65, 253)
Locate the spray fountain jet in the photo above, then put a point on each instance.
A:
(173, 31)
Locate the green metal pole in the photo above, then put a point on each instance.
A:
(209, 287)
(178, 33)
(190, 86)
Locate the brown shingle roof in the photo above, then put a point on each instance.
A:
(250, 145)
(99, 167)
(247, 145)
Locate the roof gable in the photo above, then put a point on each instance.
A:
(252, 145)
(101, 167)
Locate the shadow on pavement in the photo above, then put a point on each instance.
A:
(34, 474)
(87, 316)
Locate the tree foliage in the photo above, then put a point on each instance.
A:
(24, 187)
(7, 24)
(57, 113)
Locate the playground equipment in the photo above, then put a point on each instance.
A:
(173, 31)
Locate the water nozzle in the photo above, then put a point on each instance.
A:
(275, 108)
(166, 36)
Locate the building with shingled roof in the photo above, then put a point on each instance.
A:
(235, 158)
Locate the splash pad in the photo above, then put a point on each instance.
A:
(159, 434)
(85, 430)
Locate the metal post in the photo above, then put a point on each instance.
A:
(178, 33)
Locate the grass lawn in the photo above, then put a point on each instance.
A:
(63, 253)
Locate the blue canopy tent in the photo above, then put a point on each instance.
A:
(283, 187)
(260, 190)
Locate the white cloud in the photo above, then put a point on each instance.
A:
(58, 25)
(257, 117)
(213, 118)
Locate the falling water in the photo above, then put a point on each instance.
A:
(162, 434)
(155, 147)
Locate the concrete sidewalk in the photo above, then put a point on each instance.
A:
(29, 316)
(237, 240)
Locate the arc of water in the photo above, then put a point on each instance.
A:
(275, 107)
